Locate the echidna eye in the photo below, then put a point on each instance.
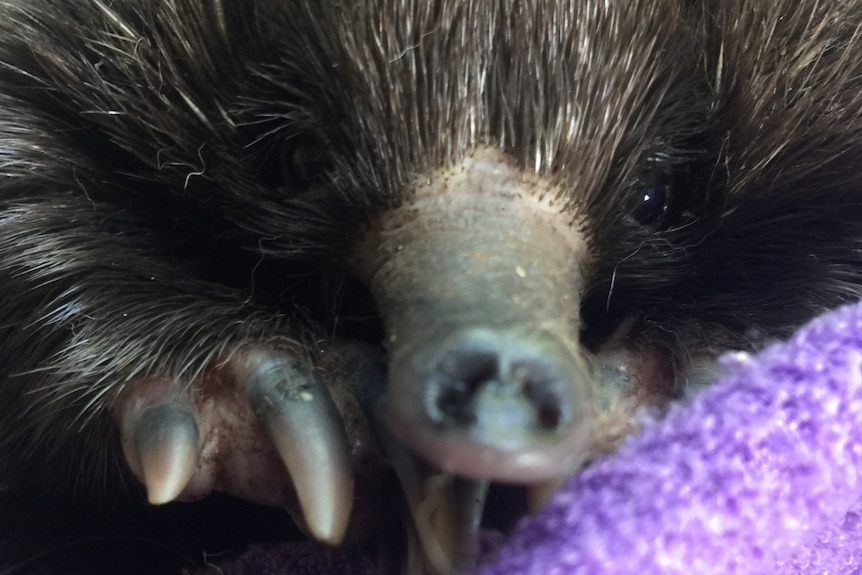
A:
(302, 161)
(654, 202)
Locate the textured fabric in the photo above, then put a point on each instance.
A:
(759, 474)
(742, 479)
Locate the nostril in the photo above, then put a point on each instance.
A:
(549, 414)
(472, 366)
(451, 399)
(539, 382)
(462, 372)
(551, 417)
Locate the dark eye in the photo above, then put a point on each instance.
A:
(302, 161)
(653, 207)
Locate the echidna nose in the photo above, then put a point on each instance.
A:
(486, 391)
(499, 406)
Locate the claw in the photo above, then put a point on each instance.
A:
(303, 423)
(446, 510)
(167, 444)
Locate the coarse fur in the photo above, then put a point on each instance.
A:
(148, 225)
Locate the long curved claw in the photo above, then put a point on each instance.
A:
(300, 417)
(446, 510)
(166, 441)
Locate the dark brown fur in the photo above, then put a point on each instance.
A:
(144, 229)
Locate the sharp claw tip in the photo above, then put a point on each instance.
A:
(160, 496)
(166, 479)
(166, 443)
(327, 521)
(328, 534)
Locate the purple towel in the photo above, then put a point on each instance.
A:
(758, 474)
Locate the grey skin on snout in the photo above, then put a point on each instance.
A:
(478, 278)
